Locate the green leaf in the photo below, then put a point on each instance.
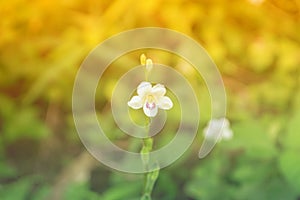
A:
(80, 192)
(252, 137)
(41, 194)
(6, 170)
(123, 191)
(24, 124)
(18, 190)
(289, 163)
(291, 139)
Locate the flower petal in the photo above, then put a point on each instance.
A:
(227, 134)
(159, 90)
(165, 103)
(135, 102)
(211, 134)
(143, 88)
(226, 123)
(216, 127)
(150, 111)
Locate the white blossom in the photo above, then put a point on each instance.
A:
(150, 99)
(218, 129)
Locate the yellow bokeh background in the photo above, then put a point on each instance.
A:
(254, 43)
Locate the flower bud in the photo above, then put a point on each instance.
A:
(149, 65)
(143, 59)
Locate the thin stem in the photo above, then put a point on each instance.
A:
(150, 177)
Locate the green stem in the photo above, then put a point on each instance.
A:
(150, 177)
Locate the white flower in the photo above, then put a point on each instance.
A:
(215, 126)
(150, 98)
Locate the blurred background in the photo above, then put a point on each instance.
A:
(255, 44)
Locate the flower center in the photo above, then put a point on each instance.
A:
(150, 102)
(150, 106)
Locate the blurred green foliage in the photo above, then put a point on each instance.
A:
(256, 45)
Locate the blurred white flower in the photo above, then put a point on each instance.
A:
(218, 129)
(150, 98)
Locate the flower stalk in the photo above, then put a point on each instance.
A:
(150, 99)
